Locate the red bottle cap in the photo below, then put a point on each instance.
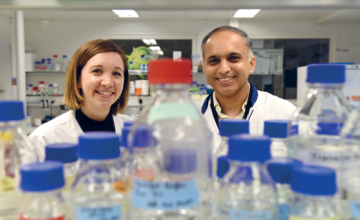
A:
(55, 55)
(41, 82)
(164, 71)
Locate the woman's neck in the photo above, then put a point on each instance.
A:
(96, 115)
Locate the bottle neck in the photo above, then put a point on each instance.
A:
(172, 88)
(319, 86)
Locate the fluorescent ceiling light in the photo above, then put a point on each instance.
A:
(246, 13)
(126, 13)
(146, 41)
(152, 41)
(158, 52)
(155, 48)
(149, 41)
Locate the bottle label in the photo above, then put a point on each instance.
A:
(340, 161)
(165, 195)
(68, 182)
(173, 110)
(355, 209)
(284, 211)
(21, 217)
(300, 218)
(250, 215)
(7, 155)
(98, 213)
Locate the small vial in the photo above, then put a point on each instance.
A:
(315, 188)
(277, 130)
(280, 170)
(41, 184)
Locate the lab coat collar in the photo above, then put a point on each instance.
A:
(253, 96)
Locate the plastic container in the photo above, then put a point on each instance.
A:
(49, 65)
(246, 189)
(56, 63)
(314, 188)
(64, 64)
(50, 89)
(280, 170)
(17, 150)
(41, 86)
(138, 87)
(35, 90)
(131, 65)
(55, 89)
(132, 88)
(95, 186)
(41, 184)
(37, 66)
(180, 140)
(277, 130)
(29, 89)
(43, 65)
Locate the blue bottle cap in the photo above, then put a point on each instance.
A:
(326, 73)
(43, 59)
(329, 128)
(131, 62)
(50, 85)
(276, 128)
(194, 83)
(197, 85)
(314, 180)
(11, 111)
(40, 177)
(249, 148)
(142, 137)
(99, 146)
(202, 85)
(280, 169)
(222, 166)
(180, 161)
(64, 56)
(230, 127)
(30, 85)
(124, 136)
(37, 62)
(62, 152)
(48, 59)
(128, 123)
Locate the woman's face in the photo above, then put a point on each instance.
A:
(102, 81)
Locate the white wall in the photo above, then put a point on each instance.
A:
(5, 58)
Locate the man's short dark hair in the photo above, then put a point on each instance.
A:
(242, 33)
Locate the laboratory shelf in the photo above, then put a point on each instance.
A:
(144, 72)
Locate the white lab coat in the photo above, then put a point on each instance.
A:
(262, 106)
(65, 128)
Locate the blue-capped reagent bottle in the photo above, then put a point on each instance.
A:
(247, 191)
(94, 191)
(316, 123)
(277, 130)
(280, 170)
(314, 188)
(41, 184)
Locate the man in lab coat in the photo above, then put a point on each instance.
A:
(228, 61)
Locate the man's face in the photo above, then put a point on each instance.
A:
(226, 63)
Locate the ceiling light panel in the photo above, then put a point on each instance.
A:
(146, 41)
(246, 13)
(155, 48)
(126, 13)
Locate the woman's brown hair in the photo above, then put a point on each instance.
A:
(73, 97)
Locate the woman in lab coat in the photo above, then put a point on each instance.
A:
(96, 92)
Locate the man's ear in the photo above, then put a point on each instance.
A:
(252, 64)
